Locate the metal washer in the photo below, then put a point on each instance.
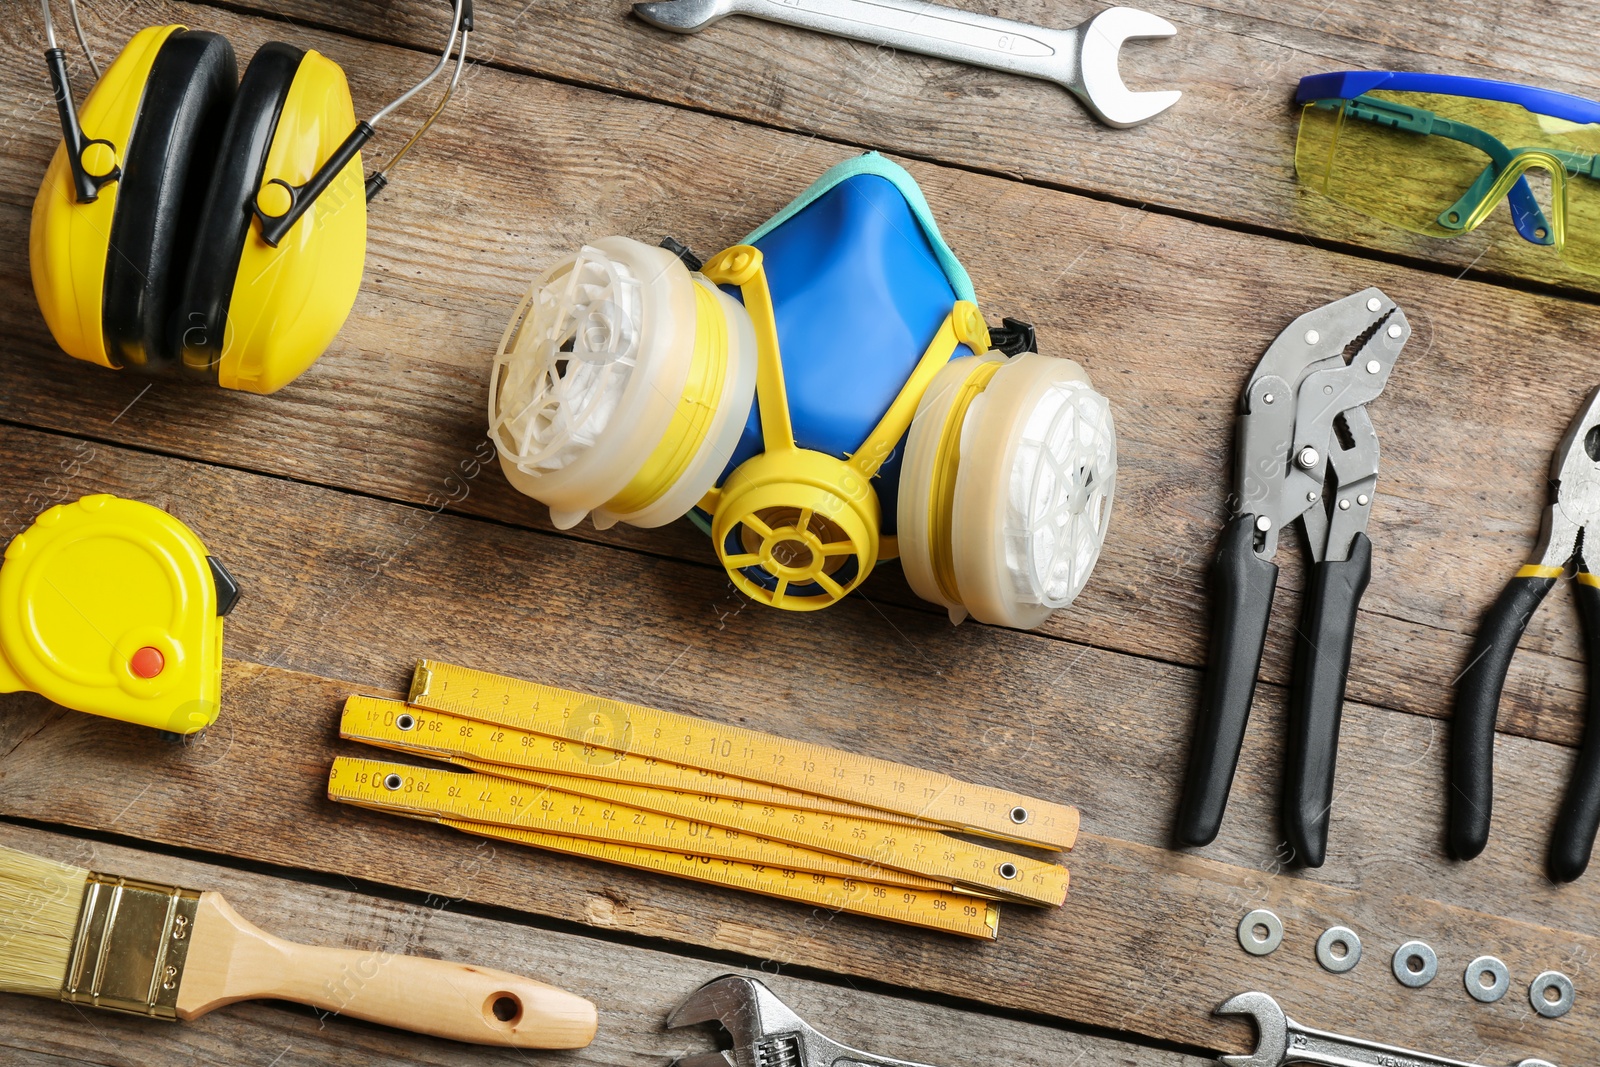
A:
(1487, 994)
(1339, 935)
(1419, 950)
(1247, 932)
(1552, 1009)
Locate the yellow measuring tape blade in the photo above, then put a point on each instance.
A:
(718, 748)
(911, 850)
(368, 783)
(475, 745)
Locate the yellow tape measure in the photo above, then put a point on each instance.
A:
(413, 791)
(641, 734)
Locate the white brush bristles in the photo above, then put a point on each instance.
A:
(39, 905)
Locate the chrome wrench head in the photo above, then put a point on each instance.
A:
(1275, 1030)
(764, 1030)
(684, 16)
(1099, 82)
(1272, 1030)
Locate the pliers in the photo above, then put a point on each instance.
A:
(1574, 507)
(1306, 450)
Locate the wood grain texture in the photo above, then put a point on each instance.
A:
(635, 988)
(1146, 941)
(1168, 315)
(1225, 152)
(362, 515)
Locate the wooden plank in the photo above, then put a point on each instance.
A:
(635, 988)
(395, 408)
(1226, 151)
(1146, 941)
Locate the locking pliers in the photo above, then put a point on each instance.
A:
(1306, 451)
(1574, 508)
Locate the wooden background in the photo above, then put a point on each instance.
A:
(358, 515)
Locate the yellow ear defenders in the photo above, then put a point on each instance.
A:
(624, 380)
(197, 223)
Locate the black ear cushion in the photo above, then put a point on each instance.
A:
(166, 169)
(200, 313)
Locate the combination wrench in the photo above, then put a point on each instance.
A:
(1280, 1040)
(1082, 60)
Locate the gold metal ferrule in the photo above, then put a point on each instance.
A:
(133, 938)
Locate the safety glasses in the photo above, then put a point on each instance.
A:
(1435, 154)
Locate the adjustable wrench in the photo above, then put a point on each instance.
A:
(765, 1031)
(1281, 1040)
(1082, 59)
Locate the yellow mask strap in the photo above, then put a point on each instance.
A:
(964, 325)
(742, 265)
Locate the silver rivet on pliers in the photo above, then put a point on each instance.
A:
(1395, 330)
(1344, 505)
(1312, 337)
(1263, 523)
(1373, 366)
(1374, 304)
(1307, 457)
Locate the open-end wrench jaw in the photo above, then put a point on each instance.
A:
(1280, 1041)
(1099, 80)
(1272, 1030)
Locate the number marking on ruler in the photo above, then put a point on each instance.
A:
(911, 850)
(480, 798)
(473, 743)
(730, 750)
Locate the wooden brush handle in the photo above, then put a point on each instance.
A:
(231, 960)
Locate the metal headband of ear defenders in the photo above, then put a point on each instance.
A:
(1436, 153)
(164, 233)
(624, 381)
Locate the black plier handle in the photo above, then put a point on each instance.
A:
(1478, 705)
(1242, 585)
(1316, 697)
(1242, 591)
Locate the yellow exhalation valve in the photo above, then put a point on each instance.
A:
(114, 607)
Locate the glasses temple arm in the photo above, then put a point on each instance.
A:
(1525, 208)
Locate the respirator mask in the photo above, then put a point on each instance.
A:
(818, 398)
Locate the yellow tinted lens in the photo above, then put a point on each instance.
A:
(1370, 155)
(1577, 147)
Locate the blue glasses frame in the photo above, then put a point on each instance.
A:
(1349, 87)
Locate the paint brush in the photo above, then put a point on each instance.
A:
(131, 946)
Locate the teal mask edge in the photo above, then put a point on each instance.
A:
(873, 163)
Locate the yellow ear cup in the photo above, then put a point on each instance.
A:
(621, 386)
(109, 606)
(1006, 488)
(289, 302)
(68, 242)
